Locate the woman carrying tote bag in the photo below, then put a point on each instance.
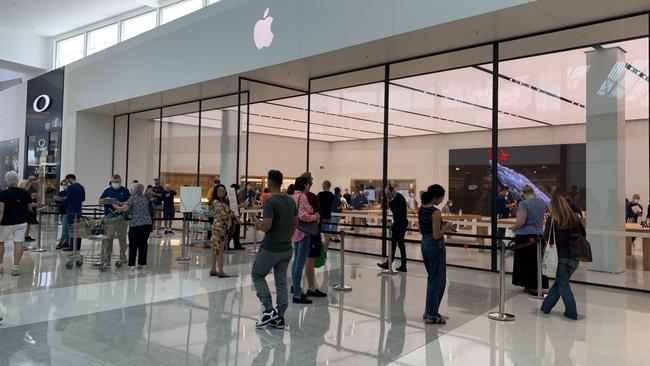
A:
(563, 222)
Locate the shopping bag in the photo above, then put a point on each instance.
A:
(550, 259)
(320, 261)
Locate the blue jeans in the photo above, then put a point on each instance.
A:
(561, 288)
(70, 217)
(435, 262)
(300, 254)
(63, 241)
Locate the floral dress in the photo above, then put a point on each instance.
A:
(223, 217)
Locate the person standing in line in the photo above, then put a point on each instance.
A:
(397, 205)
(60, 201)
(314, 252)
(32, 219)
(266, 194)
(300, 239)
(347, 196)
(528, 229)
(337, 208)
(563, 222)
(223, 219)
(156, 194)
(73, 202)
(325, 201)
(139, 225)
(115, 194)
(169, 210)
(504, 207)
(433, 231)
(279, 222)
(15, 204)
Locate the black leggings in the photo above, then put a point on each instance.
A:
(138, 238)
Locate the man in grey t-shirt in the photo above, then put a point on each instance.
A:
(279, 221)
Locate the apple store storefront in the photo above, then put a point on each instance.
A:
(562, 113)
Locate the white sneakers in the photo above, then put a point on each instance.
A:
(15, 271)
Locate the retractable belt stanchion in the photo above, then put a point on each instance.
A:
(39, 246)
(254, 249)
(540, 291)
(184, 241)
(501, 315)
(390, 270)
(341, 286)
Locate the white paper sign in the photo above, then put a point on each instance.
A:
(232, 197)
(190, 199)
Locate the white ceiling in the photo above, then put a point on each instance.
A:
(534, 92)
(53, 17)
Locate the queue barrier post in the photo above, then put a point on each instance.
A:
(501, 315)
(184, 241)
(341, 286)
(39, 238)
(540, 295)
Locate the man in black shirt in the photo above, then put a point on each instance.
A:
(397, 205)
(326, 200)
(15, 204)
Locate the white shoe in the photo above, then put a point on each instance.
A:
(142, 268)
(131, 268)
(15, 271)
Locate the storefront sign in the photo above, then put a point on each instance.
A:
(43, 124)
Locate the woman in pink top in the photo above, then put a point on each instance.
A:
(301, 240)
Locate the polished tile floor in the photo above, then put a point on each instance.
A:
(175, 314)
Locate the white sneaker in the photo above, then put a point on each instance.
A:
(15, 271)
(142, 268)
(131, 268)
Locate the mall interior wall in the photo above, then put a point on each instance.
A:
(13, 117)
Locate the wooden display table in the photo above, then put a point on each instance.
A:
(637, 228)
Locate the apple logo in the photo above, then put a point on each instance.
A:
(262, 34)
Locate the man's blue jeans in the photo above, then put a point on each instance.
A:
(300, 254)
(561, 288)
(435, 261)
(70, 217)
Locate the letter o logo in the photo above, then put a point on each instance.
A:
(46, 103)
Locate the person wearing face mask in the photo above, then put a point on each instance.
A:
(114, 195)
(60, 202)
(634, 209)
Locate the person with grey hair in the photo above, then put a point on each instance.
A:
(15, 204)
(139, 226)
(114, 194)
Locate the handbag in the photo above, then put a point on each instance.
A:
(579, 246)
(310, 228)
(550, 260)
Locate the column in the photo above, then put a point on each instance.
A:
(228, 148)
(605, 161)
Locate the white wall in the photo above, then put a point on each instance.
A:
(25, 49)
(13, 103)
(94, 146)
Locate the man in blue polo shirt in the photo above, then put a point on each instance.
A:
(114, 194)
(73, 202)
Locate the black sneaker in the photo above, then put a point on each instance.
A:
(267, 317)
(316, 293)
(401, 269)
(301, 300)
(29, 238)
(277, 323)
(383, 265)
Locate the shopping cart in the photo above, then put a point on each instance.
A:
(97, 231)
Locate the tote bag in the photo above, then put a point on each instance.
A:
(550, 261)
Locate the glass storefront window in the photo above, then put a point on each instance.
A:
(179, 152)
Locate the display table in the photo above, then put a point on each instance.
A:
(637, 228)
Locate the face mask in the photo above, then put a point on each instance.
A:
(116, 185)
(451, 204)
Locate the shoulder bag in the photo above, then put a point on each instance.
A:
(550, 260)
(310, 228)
(579, 245)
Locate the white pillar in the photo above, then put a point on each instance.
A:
(606, 158)
(228, 148)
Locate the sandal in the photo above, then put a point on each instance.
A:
(214, 274)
